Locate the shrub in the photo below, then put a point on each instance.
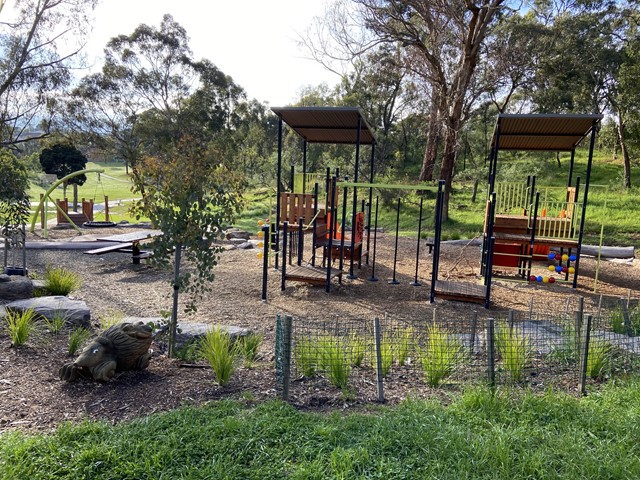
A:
(77, 338)
(567, 351)
(249, 347)
(514, 350)
(59, 281)
(218, 350)
(441, 356)
(20, 324)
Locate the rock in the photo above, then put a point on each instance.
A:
(190, 332)
(16, 287)
(245, 246)
(75, 311)
(4, 278)
(237, 241)
(237, 233)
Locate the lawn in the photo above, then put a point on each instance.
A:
(610, 207)
(511, 435)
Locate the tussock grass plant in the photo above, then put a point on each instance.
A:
(305, 354)
(77, 338)
(598, 358)
(386, 354)
(189, 352)
(404, 342)
(111, 318)
(514, 350)
(20, 325)
(57, 322)
(220, 353)
(60, 281)
(358, 348)
(441, 356)
(249, 346)
(567, 351)
(335, 360)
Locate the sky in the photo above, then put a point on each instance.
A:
(253, 41)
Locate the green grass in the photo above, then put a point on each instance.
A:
(249, 346)
(442, 355)
(476, 436)
(514, 349)
(335, 360)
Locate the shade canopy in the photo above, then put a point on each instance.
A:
(542, 132)
(327, 124)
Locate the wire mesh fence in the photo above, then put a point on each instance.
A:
(387, 358)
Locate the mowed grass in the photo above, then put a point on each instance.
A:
(478, 435)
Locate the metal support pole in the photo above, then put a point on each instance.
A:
(284, 255)
(373, 277)
(415, 282)
(394, 281)
(265, 261)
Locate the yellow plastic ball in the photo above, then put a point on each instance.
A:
(260, 254)
(260, 223)
(552, 268)
(260, 234)
(260, 244)
(565, 257)
(572, 270)
(545, 279)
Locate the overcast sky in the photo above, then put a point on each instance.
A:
(253, 41)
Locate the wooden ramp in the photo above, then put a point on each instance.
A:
(461, 291)
(309, 274)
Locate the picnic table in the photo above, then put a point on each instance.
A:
(127, 243)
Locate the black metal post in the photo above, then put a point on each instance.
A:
(394, 281)
(315, 224)
(355, 200)
(342, 228)
(331, 234)
(584, 203)
(415, 282)
(373, 277)
(265, 260)
(436, 242)
(285, 226)
(373, 149)
(304, 167)
(278, 176)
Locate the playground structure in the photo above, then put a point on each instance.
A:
(304, 213)
(524, 222)
(63, 215)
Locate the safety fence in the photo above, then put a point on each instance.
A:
(391, 358)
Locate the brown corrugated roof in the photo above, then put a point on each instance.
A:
(544, 132)
(327, 124)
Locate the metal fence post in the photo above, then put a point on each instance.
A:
(577, 327)
(474, 326)
(491, 353)
(286, 356)
(627, 318)
(585, 357)
(376, 333)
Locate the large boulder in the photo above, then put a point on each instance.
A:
(191, 332)
(15, 287)
(236, 233)
(75, 312)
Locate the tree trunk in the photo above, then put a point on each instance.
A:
(626, 160)
(433, 138)
(174, 311)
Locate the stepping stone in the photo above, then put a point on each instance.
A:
(75, 312)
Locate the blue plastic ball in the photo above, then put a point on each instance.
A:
(552, 256)
(539, 278)
(572, 258)
(558, 269)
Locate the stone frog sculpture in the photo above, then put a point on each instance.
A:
(124, 346)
